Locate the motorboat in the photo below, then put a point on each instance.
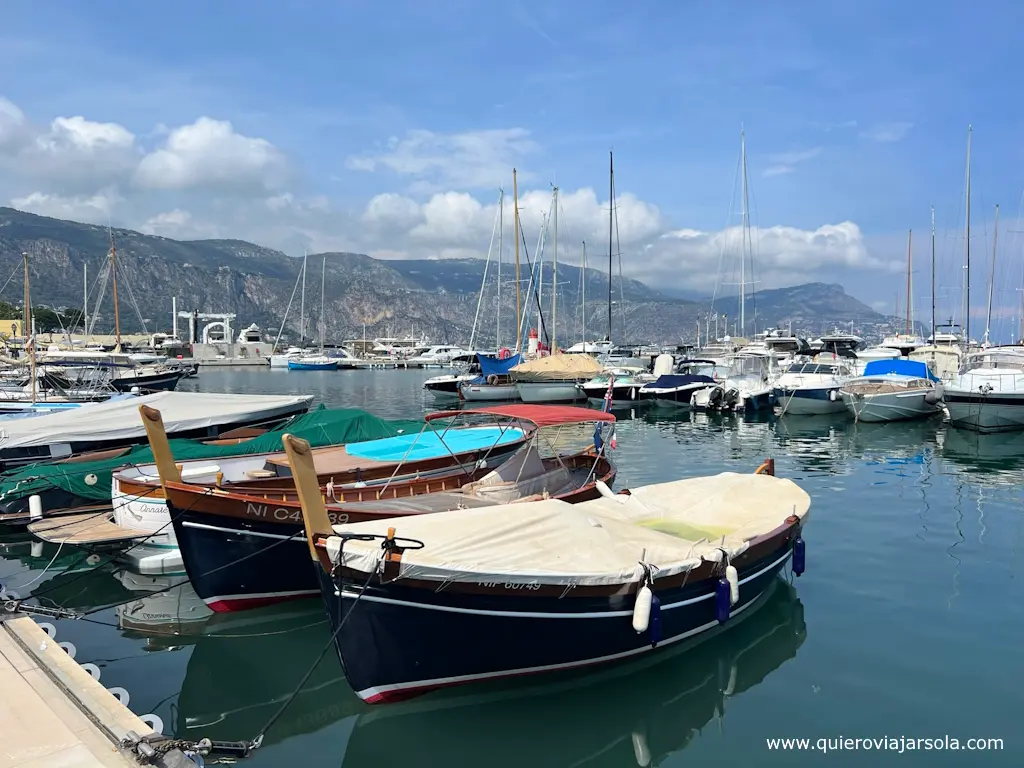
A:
(232, 544)
(748, 388)
(281, 360)
(313, 363)
(437, 355)
(553, 378)
(493, 384)
(469, 595)
(623, 384)
(988, 393)
(893, 390)
(590, 347)
(446, 385)
(811, 388)
(944, 360)
(677, 388)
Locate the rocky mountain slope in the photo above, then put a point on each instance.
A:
(435, 298)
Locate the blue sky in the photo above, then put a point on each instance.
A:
(854, 112)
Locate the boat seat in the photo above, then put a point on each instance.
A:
(259, 474)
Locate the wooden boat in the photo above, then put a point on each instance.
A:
(233, 544)
(638, 713)
(469, 595)
(140, 513)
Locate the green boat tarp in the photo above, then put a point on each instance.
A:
(92, 479)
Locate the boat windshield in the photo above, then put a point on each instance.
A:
(747, 365)
(805, 368)
(1003, 360)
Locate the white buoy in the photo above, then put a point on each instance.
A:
(642, 609)
(734, 584)
(35, 507)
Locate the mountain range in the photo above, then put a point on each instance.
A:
(434, 298)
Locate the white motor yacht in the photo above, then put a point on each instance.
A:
(812, 388)
(988, 393)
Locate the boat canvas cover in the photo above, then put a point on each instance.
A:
(120, 420)
(494, 366)
(92, 479)
(672, 526)
(917, 369)
(557, 367)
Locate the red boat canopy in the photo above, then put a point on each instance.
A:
(540, 415)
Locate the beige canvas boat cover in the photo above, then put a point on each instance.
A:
(556, 367)
(672, 526)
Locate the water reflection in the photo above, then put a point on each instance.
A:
(636, 713)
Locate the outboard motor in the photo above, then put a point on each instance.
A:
(715, 398)
(731, 398)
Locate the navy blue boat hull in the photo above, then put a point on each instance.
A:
(400, 641)
(239, 564)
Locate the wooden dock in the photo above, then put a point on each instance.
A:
(53, 713)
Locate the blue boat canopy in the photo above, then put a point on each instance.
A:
(900, 367)
(492, 365)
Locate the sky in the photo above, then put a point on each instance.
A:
(388, 128)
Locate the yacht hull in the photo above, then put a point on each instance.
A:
(492, 393)
(808, 401)
(1003, 412)
(549, 392)
(889, 406)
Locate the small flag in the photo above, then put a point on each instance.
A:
(611, 440)
(608, 395)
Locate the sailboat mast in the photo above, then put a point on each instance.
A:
(611, 219)
(583, 301)
(29, 347)
(910, 239)
(967, 250)
(85, 297)
(501, 232)
(323, 324)
(554, 283)
(515, 230)
(117, 313)
(992, 277)
(302, 302)
(933, 275)
(743, 234)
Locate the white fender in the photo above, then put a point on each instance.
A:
(35, 507)
(641, 752)
(642, 609)
(734, 584)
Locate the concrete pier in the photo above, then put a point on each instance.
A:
(54, 714)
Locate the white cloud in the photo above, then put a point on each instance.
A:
(209, 153)
(92, 209)
(888, 132)
(782, 256)
(474, 159)
(781, 163)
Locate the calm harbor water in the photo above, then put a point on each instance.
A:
(908, 622)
